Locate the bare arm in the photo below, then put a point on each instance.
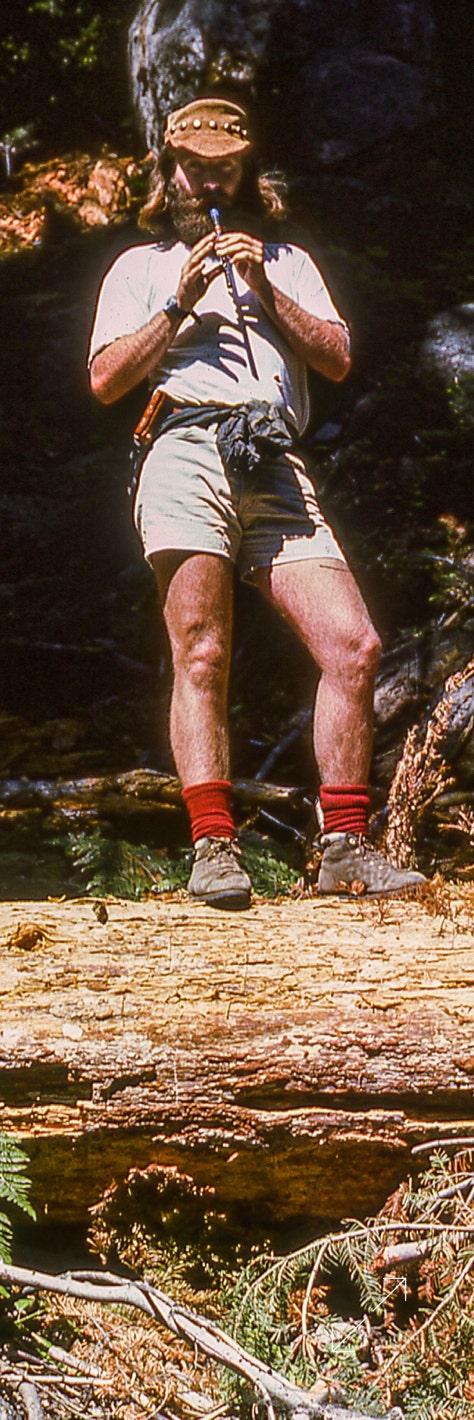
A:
(322, 344)
(125, 362)
(120, 366)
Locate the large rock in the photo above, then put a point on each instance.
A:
(446, 361)
(325, 80)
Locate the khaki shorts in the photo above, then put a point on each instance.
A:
(186, 501)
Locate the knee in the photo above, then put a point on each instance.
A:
(201, 657)
(364, 653)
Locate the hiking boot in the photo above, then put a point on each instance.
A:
(217, 877)
(350, 865)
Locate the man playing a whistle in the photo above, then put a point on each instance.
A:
(225, 326)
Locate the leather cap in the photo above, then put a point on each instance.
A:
(211, 128)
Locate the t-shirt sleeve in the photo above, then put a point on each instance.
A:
(121, 305)
(295, 273)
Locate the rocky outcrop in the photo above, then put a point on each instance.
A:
(325, 81)
(58, 198)
(446, 361)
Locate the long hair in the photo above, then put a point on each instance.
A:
(262, 194)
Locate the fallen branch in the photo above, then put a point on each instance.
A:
(277, 1392)
(298, 724)
(137, 791)
(31, 1401)
(402, 1254)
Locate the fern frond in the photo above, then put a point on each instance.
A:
(6, 1233)
(14, 1186)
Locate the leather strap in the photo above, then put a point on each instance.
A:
(142, 432)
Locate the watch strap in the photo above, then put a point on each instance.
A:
(173, 308)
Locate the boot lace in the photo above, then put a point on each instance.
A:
(222, 848)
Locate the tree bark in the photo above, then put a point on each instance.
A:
(288, 1059)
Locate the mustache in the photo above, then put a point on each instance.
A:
(190, 215)
(177, 197)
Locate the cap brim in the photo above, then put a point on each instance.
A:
(210, 145)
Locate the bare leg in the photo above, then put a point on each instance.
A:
(323, 605)
(197, 595)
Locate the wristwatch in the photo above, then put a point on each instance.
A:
(173, 308)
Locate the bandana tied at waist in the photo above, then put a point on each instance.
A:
(251, 433)
(246, 433)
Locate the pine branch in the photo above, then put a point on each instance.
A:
(420, 1331)
(14, 1188)
(278, 1393)
(434, 1233)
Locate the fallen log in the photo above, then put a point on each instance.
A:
(288, 1060)
(410, 682)
(136, 791)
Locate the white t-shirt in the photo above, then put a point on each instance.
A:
(208, 363)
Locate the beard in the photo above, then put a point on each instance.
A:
(190, 215)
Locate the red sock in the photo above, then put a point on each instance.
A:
(208, 807)
(345, 807)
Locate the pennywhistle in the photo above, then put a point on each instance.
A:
(215, 217)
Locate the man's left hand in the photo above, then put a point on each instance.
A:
(324, 345)
(247, 255)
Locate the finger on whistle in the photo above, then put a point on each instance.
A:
(211, 266)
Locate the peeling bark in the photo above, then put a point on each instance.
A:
(288, 1059)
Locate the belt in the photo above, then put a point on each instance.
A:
(246, 433)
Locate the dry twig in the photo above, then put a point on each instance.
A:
(278, 1393)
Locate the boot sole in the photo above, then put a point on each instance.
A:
(228, 901)
(408, 889)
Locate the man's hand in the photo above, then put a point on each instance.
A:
(322, 344)
(247, 255)
(197, 273)
(120, 366)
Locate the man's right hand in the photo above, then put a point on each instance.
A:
(131, 358)
(197, 273)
